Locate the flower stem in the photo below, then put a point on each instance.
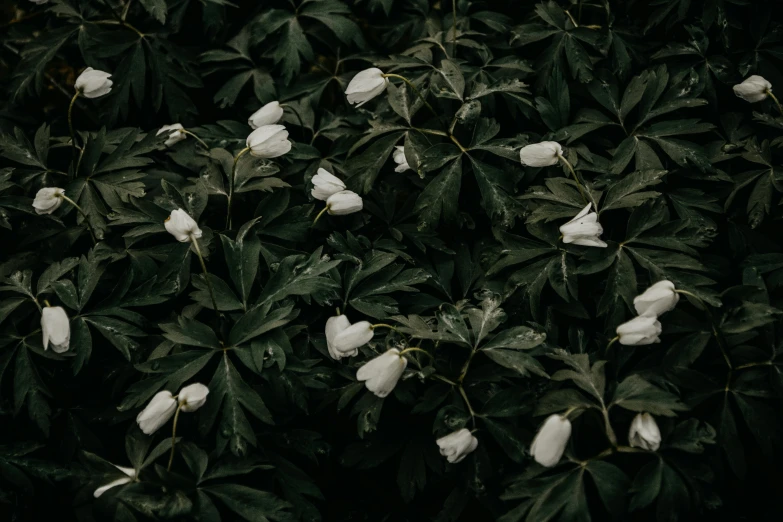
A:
(231, 184)
(576, 178)
(609, 431)
(384, 325)
(775, 99)
(299, 118)
(321, 213)
(70, 123)
(464, 371)
(185, 131)
(174, 436)
(414, 89)
(443, 379)
(457, 143)
(753, 364)
(206, 277)
(412, 349)
(571, 17)
(454, 26)
(467, 403)
(121, 20)
(84, 215)
(431, 131)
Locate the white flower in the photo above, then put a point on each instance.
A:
(382, 373)
(584, 229)
(92, 83)
(754, 89)
(544, 154)
(344, 202)
(348, 340)
(326, 184)
(47, 200)
(335, 325)
(180, 225)
(457, 445)
(157, 413)
(551, 440)
(56, 328)
(656, 300)
(400, 160)
(131, 476)
(640, 331)
(175, 134)
(644, 433)
(192, 397)
(269, 141)
(365, 86)
(39, 2)
(267, 115)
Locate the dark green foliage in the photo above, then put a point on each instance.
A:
(460, 254)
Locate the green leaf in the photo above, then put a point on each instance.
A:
(157, 8)
(440, 197)
(260, 320)
(250, 504)
(229, 397)
(509, 438)
(191, 333)
(636, 394)
(516, 338)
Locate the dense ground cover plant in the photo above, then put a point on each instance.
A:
(390, 260)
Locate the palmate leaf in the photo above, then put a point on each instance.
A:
(238, 59)
(30, 390)
(566, 46)
(302, 277)
(36, 56)
(440, 197)
(562, 496)
(251, 503)
(229, 397)
(367, 286)
(293, 45)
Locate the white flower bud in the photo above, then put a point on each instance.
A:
(157, 413)
(39, 2)
(269, 141)
(656, 300)
(639, 331)
(544, 154)
(192, 397)
(344, 202)
(644, 433)
(348, 340)
(130, 477)
(56, 328)
(335, 325)
(47, 200)
(380, 375)
(92, 83)
(183, 227)
(584, 229)
(326, 184)
(174, 132)
(400, 160)
(269, 114)
(457, 445)
(754, 89)
(365, 86)
(551, 440)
